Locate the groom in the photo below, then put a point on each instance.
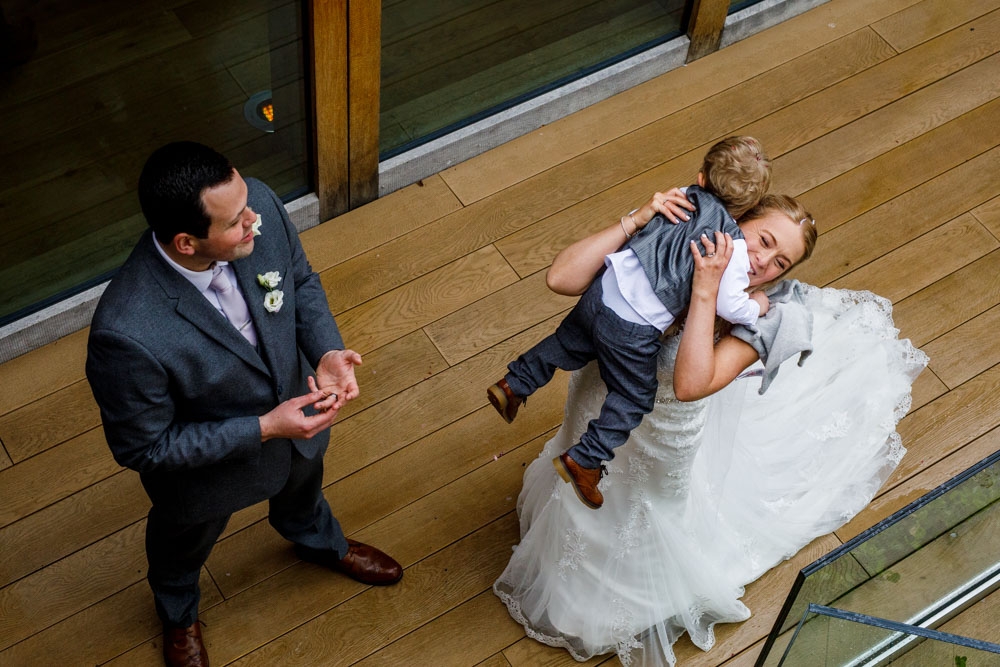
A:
(201, 358)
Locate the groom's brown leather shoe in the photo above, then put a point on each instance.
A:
(583, 480)
(183, 647)
(362, 563)
(504, 400)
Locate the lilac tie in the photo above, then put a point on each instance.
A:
(233, 305)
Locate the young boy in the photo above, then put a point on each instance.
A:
(641, 291)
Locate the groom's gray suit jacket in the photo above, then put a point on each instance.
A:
(179, 388)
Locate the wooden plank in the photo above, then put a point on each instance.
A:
(920, 262)
(54, 474)
(797, 126)
(933, 472)
(989, 215)
(498, 316)
(966, 350)
(364, 18)
(927, 387)
(577, 180)
(472, 631)
(530, 653)
(704, 29)
(928, 19)
(911, 94)
(50, 420)
(403, 418)
(286, 602)
(72, 584)
(388, 486)
(358, 627)
(495, 661)
(365, 228)
(328, 26)
(5, 461)
(103, 630)
(71, 524)
(849, 243)
(580, 132)
(421, 301)
(951, 301)
(948, 424)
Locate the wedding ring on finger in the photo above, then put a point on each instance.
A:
(711, 254)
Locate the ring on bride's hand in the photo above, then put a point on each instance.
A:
(711, 254)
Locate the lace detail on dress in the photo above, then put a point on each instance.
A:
(574, 550)
(835, 428)
(623, 631)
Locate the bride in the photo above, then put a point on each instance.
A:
(707, 494)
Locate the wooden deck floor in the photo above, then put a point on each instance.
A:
(881, 116)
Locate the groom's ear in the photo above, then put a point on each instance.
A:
(184, 244)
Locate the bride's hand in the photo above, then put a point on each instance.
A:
(672, 204)
(708, 268)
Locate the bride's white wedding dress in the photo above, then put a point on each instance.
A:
(706, 496)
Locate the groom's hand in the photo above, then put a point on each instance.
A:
(289, 420)
(335, 379)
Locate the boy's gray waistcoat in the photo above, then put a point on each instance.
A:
(664, 248)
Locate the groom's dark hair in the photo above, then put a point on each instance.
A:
(171, 184)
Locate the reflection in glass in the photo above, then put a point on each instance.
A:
(445, 64)
(107, 82)
(826, 637)
(933, 563)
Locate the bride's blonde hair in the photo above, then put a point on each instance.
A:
(795, 211)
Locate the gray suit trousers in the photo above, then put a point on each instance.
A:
(177, 551)
(626, 355)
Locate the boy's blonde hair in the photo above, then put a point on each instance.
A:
(737, 171)
(795, 211)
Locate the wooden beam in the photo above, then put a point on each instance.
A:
(705, 27)
(364, 57)
(328, 37)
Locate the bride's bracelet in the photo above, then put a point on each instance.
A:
(622, 223)
(634, 225)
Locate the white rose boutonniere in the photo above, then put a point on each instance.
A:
(255, 227)
(269, 280)
(273, 300)
(274, 297)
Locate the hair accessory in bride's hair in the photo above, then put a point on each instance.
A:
(809, 220)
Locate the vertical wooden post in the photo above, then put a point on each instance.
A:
(327, 20)
(346, 59)
(708, 17)
(364, 59)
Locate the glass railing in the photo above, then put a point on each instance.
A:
(935, 564)
(827, 637)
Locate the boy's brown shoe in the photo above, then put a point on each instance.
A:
(583, 480)
(504, 400)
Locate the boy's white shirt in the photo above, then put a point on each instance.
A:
(627, 292)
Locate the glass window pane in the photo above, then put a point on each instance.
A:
(833, 637)
(449, 62)
(98, 85)
(950, 532)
